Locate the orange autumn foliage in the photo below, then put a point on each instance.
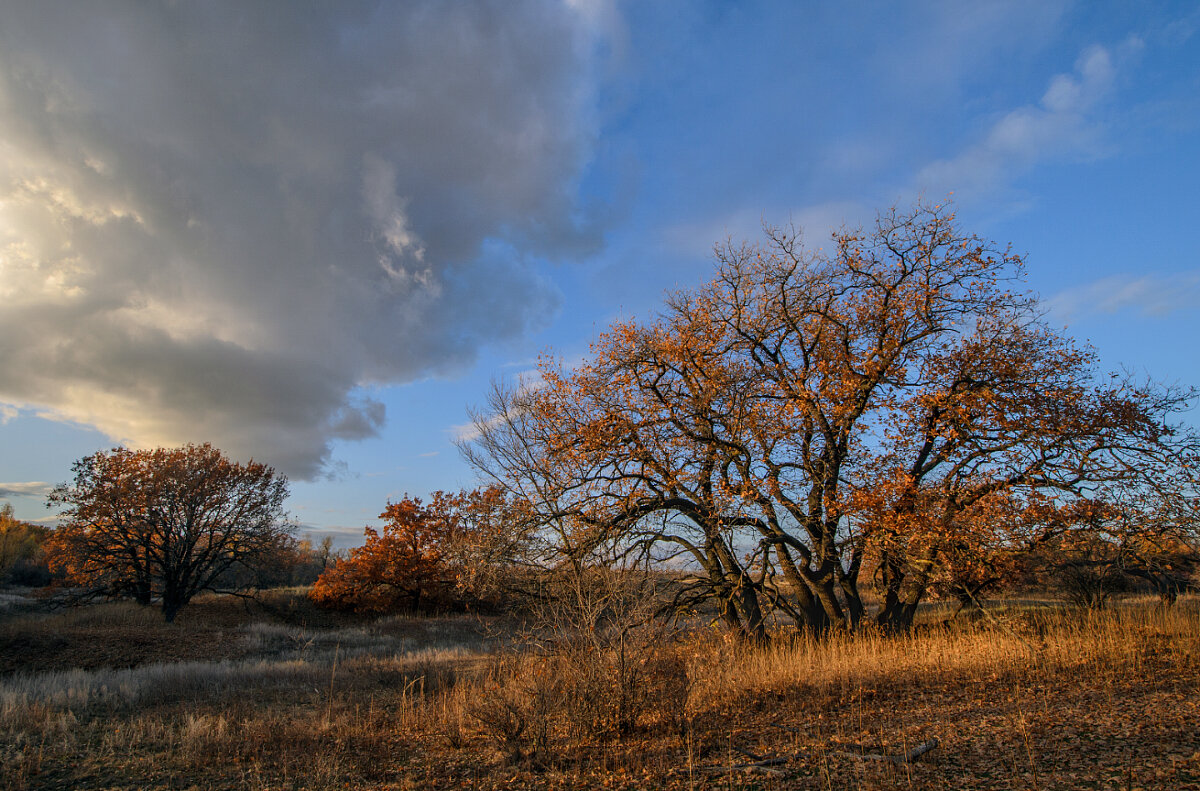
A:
(446, 553)
(893, 412)
(166, 523)
(404, 567)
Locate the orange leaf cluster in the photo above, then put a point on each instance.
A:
(428, 556)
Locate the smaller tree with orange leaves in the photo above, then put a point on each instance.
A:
(404, 567)
(427, 556)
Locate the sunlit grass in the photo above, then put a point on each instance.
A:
(1017, 642)
(359, 703)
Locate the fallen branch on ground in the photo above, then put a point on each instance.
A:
(903, 758)
(896, 758)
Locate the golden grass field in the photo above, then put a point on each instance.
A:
(282, 696)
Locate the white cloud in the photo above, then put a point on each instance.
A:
(528, 381)
(25, 489)
(1151, 295)
(469, 432)
(219, 220)
(387, 211)
(7, 413)
(1063, 123)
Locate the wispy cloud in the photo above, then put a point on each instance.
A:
(1063, 123)
(25, 489)
(529, 381)
(344, 536)
(1151, 295)
(469, 432)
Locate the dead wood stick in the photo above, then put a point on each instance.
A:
(918, 751)
(763, 765)
(904, 758)
(747, 753)
(782, 759)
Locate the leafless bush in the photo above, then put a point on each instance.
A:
(1090, 584)
(595, 661)
(515, 706)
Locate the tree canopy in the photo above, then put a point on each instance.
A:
(21, 549)
(896, 405)
(165, 523)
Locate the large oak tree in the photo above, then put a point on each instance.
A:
(896, 404)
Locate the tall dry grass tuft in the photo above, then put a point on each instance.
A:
(1014, 644)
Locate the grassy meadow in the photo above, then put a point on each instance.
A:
(276, 694)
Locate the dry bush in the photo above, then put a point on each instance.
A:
(514, 705)
(535, 706)
(593, 663)
(1090, 586)
(614, 690)
(599, 632)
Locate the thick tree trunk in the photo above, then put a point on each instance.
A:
(142, 593)
(898, 617)
(738, 592)
(812, 613)
(824, 586)
(731, 617)
(817, 621)
(907, 582)
(724, 594)
(742, 615)
(854, 604)
(756, 627)
(171, 605)
(968, 600)
(900, 611)
(174, 595)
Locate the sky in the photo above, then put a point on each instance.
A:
(313, 234)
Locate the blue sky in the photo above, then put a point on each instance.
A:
(314, 234)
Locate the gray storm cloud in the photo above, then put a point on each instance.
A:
(219, 220)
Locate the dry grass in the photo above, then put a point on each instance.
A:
(1034, 699)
